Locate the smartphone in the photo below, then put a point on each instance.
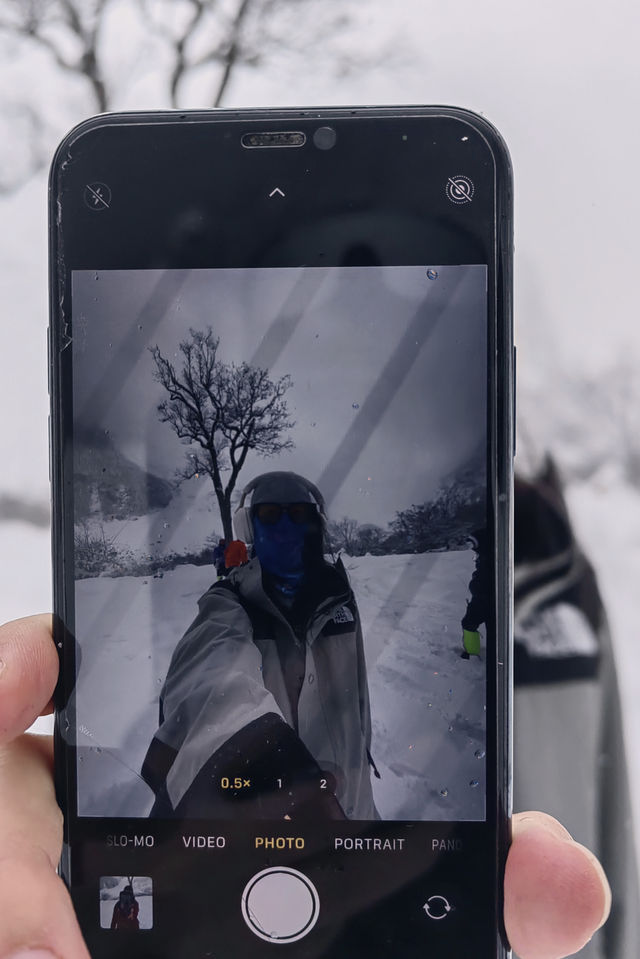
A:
(281, 367)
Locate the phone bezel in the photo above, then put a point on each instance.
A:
(501, 433)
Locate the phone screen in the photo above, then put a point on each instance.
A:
(280, 512)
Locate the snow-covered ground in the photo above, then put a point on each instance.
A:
(427, 703)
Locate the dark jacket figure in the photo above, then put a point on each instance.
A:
(125, 911)
(568, 740)
(265, 709)
(218, 557)
(480, 591)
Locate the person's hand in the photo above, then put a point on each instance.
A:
(556, 894)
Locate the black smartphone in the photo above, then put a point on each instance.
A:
(281, 368)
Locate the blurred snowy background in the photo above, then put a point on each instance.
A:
(559, 78)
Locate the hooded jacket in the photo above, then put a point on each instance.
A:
(254, 695)
(568, 735)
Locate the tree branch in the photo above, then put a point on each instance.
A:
(234, 49)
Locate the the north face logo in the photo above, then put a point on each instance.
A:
(343, 615)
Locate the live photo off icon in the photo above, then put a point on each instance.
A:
(459, 189)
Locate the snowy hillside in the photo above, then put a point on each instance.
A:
(427, 704)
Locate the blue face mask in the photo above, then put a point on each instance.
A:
(280, 548)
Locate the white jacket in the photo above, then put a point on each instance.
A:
(226, 672)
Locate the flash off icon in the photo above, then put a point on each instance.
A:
(97, 196)
(459, 189)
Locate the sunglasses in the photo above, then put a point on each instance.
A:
(271, 513)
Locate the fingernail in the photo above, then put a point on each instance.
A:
(32, 954)
(3, 666)
(544, 822)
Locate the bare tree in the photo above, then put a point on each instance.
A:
(371, 539)
(208, 33)
(69, 30)
(343, 535)
(195, 34)
(204, 41)
(225, 409)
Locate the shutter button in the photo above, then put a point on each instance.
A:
(280, 904)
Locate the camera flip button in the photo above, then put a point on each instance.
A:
(280, 904)
(437, 907)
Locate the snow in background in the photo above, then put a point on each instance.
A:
(560, 80)
(427, 704)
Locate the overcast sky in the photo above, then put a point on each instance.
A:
(388, 369)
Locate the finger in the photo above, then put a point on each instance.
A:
(28, 673)
(36, 912)
(556, 892)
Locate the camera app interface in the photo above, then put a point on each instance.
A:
(282, 570)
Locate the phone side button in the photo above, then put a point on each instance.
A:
(513, 411)
(49, 436)
(49, 360)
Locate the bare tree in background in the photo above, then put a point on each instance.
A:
(69, 30)
(226, 409)
(204, 39)
(195, 33)
(343, 535)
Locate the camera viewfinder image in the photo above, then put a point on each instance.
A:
(126, 902)
(283, 558)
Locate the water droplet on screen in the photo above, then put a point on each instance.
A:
(444, 793)
(451, 729)
(355, 406)
(479, 754)
(96, 277)
(432, 274)
(474, 783)
(429, 705)
(140, 327)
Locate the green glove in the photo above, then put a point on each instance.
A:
(471, 642)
